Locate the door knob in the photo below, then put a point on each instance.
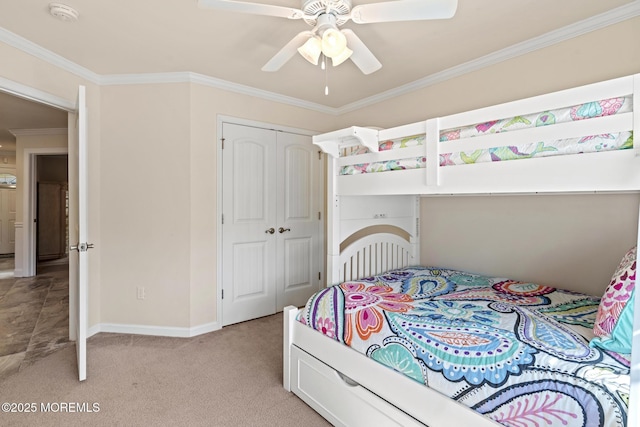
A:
(270, 230)
(282, 230)
(81, 247)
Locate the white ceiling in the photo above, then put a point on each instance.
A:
(124, 37)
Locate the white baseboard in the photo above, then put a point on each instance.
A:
(162, 331)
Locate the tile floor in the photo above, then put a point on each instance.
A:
(34, 314)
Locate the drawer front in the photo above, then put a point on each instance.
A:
(337, 398)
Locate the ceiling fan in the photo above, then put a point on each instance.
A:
(325, 16)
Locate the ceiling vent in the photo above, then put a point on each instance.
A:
(63, 12)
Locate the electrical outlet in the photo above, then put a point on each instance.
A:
(140, 292)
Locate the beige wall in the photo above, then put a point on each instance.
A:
(599, 229)
(152, 189)
(145, 145)
(569, 241)
(152, 164)
(8, 161)
(159, 196)
(600, 55)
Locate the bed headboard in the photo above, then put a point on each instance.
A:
(373, 235)
(375, 254)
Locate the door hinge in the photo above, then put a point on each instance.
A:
(222, 139)
(319, 275)
(223, 219)
(319, 216)
(319, 155)
(222, 293)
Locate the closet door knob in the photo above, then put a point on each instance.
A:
(282, 230)
(270, 230)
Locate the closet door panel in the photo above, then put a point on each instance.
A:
(299, 224)
(249, 209)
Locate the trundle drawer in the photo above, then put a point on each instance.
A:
(339, 399)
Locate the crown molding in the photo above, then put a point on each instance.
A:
(201, 79)
(597, 22)
(46, 55)
(35, 132)
(270, 96)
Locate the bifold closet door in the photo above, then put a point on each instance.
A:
(271, 236)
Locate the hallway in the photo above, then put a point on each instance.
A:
(34, 314)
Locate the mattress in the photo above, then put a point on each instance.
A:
(577, 145)
(515, 352)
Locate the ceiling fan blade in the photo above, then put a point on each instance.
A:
(362, 56)
(253, 8)
(287, 52)
(404, 10)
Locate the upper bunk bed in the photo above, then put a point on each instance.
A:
(575, 140)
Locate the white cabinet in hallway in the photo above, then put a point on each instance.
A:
(272, 226)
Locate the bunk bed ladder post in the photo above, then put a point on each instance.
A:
(289, 316)
(333, 221)
(432, 152)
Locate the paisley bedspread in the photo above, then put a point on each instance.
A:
(516, 352)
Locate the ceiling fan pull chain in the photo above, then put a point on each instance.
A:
(326, 76)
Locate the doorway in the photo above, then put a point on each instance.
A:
(52, 210)
(30, 113)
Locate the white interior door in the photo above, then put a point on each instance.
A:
(272, 230)
(78, 212)
(249, 228)
(298, 219)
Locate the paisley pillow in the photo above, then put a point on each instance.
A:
(614, 322)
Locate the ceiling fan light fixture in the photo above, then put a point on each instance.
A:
(326, 16)
(311, 50)
(339, 59)
(333, 42)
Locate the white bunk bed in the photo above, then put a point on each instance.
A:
(373, 225)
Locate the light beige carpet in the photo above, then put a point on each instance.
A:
(231, 377)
